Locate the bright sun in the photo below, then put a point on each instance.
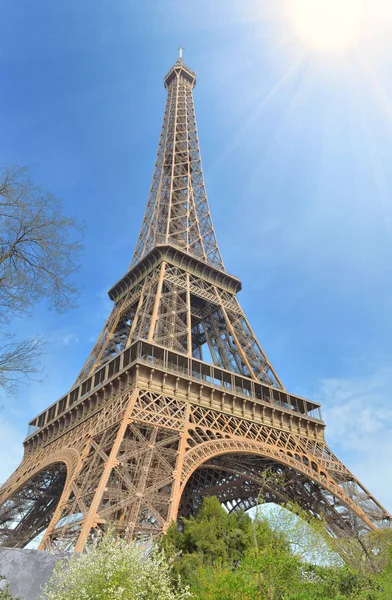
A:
(327, 24)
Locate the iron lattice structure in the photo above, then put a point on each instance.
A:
(177, 400)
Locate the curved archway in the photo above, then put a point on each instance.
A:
(239, 472)
(31, 497)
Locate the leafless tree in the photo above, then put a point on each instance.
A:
(39, 252)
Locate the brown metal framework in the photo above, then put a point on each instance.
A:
(177, 400)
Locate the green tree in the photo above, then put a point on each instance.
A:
(305, 533)
(211, 538)
(230, 557)
(260, 564)
(225, 555)
(334, 583)
(384, 579)
(367, 553)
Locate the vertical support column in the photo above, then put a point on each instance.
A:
(173, 160)
(235, 338)
(137, 313)
(156, 303)
(100, 345)
(176, 492)
(90, 518)
(108, 338)
(189, 316)
(141, 484)
(263, 354)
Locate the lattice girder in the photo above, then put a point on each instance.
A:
(173, 308)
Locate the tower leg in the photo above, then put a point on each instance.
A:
(176, 494)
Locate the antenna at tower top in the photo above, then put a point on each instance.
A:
(180, 49)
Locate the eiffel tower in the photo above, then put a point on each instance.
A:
(177, 400)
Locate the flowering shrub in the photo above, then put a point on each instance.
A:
(5, 593)
(114, 569)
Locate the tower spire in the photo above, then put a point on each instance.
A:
(177, 211)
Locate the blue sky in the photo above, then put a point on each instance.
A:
(296, 146)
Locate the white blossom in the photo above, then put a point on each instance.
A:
(114, 569)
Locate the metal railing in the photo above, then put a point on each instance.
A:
(176, 363)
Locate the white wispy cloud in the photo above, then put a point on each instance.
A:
(69, 338)
(358, 414)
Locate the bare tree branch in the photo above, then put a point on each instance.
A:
(39, 247)
(39, 253)
(18, 361)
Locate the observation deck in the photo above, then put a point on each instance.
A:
(144, 364)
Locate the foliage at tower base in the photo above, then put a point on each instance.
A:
(220, 556)
(225, 556)
(368, 553)
(114, 569)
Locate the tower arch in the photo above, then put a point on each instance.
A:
(240, 472)
(30, 498)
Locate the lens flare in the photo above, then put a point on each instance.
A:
(327, 24)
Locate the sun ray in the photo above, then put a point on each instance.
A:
(376, 83)
(379, 173)
(248, 122)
